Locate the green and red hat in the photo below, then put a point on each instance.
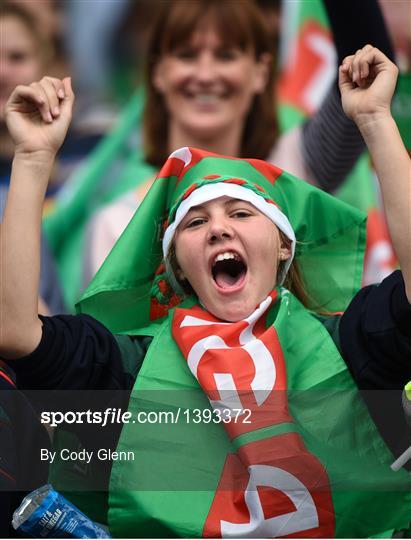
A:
(212, 187)
(329, 239)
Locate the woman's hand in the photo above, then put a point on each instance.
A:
(367, 82)
(38, 116)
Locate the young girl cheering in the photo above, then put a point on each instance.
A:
(220, 306)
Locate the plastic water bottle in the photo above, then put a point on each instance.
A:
(44, 513)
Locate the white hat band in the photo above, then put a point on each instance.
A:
(213, 191)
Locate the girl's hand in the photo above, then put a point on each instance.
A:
(367, 82)
(38, 116)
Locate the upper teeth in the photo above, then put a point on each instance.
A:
(226, 255)
(206, 97)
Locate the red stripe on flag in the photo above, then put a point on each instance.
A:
(306, 68)
(6, 377)
(196, 156)
(172, 167)
(271, 172)
(248, 506)
(4, 473)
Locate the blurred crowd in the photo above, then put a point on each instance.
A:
(148, 81)
(242, 78)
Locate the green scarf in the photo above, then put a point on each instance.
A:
(310, 463)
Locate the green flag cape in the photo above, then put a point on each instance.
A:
(181, 482)
(306, 462)
(330, 238)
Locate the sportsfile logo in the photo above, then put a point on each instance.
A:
(112, 416)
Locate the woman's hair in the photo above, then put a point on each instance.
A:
(240, 24)
(45, 49)
(294, 281)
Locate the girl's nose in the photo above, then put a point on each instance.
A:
(219, 230)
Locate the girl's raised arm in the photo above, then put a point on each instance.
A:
(37, 117)
(367, 83)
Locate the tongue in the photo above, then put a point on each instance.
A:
(225, 280)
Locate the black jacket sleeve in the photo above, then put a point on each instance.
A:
(20, 470)
(75, 353)
(375, 340)
(354, 24)
(375, 334)
(79, 366)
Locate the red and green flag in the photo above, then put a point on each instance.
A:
(297, 454)
(330, 237)
(311, 462)
(310, 67)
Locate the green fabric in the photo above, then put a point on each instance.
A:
(114, 167)
(401, 107)
(312, 10)
(330, 239)
(169, 488)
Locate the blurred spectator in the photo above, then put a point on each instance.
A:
(49, 19)
(24, 55)
(128, 47)
(89, 36)
(397, 14)
(192, 84)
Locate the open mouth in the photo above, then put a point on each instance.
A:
(229, 270)
(205, 98)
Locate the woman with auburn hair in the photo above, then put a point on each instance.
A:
(210, 83)
(242, 57)
(244, 418)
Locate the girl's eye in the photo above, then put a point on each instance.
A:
(241, 214)
(195, 223)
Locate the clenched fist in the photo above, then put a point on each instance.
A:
(38, 116)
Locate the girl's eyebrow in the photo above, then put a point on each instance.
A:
(237, 201)
(199, 207)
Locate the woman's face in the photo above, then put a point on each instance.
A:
(207, 86)
(229, 252)
(19, 57)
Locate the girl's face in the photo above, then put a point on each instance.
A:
(229, 252)
(19, 57)
(207, 86)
